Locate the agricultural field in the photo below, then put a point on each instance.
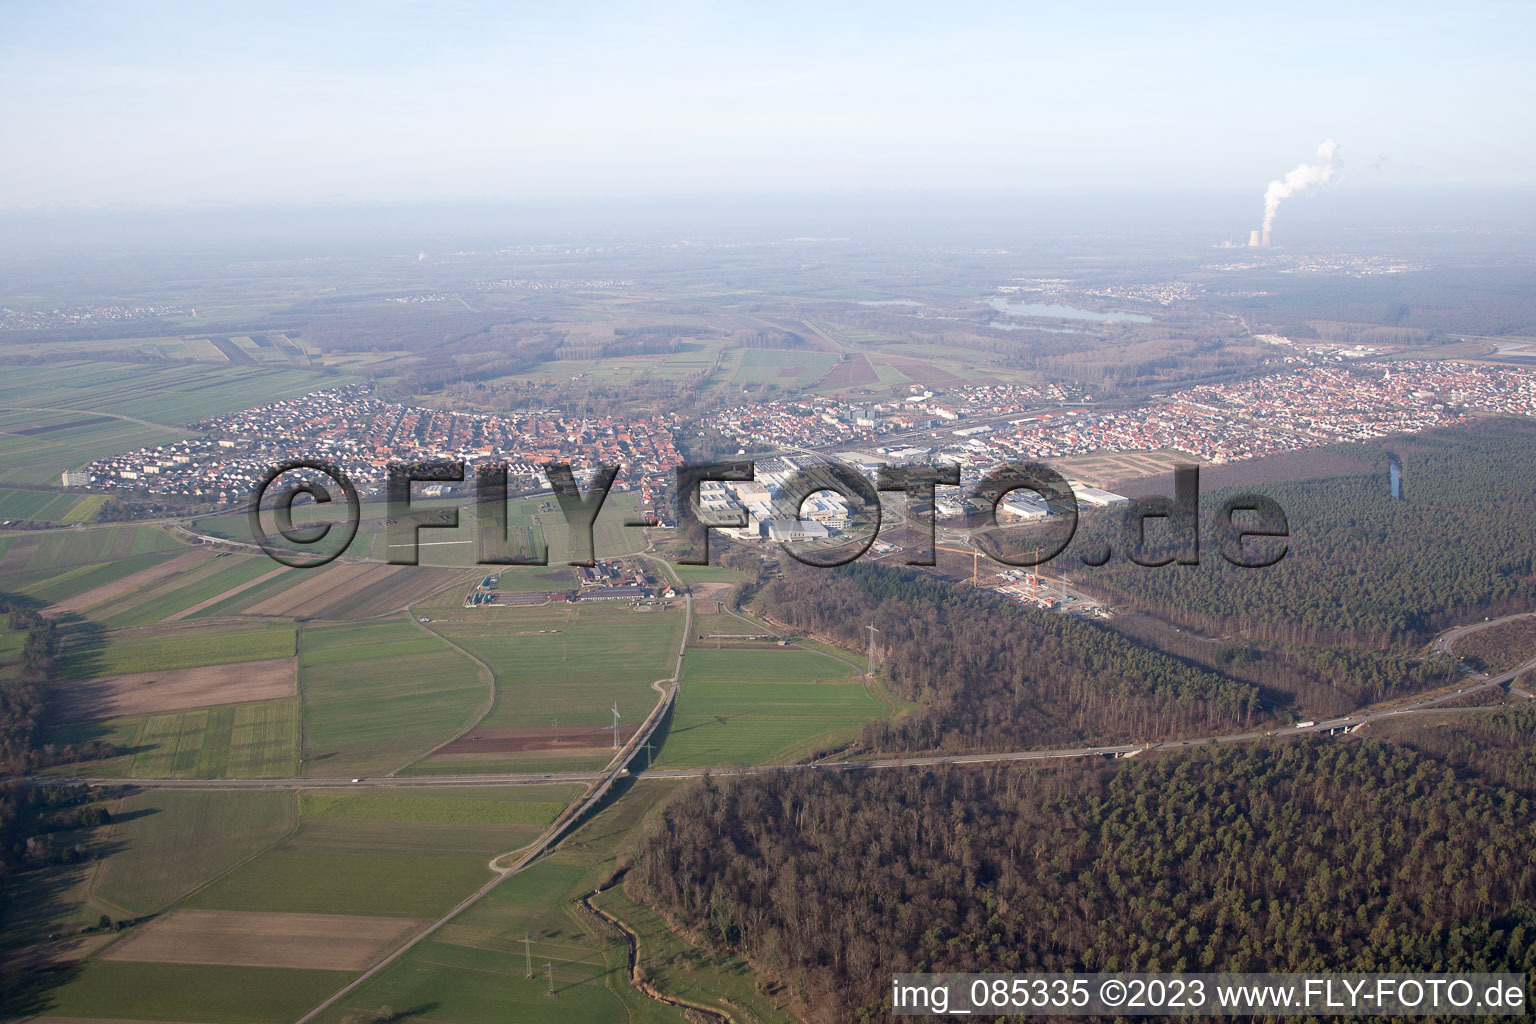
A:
(182, 645)
(36, 447)
(755, 707)
(166, 843)
(241, 741)
(472, 971)
(11, 641)
(785, 368)
(343, 590)
(173, 395)
(560, 661)
(55, 586)
(537, 524)
(51, 550)
(167, 572)
(473, 806)
(108, 990)
(371, 868)
(49, 506)
(378, 694)
(244, 938)
(59, 416)
(175, 596)
(177, 689)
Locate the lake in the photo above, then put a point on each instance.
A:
(1058, 311)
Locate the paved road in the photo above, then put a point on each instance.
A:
(1445, 641)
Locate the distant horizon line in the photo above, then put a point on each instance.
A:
(712, 198)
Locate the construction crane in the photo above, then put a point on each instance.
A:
(1035, 577)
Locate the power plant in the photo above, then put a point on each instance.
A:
(1301, 178)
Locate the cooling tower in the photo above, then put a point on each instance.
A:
(1253, 238)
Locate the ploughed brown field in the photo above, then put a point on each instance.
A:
(242, 938)
(354, 590)
(710, 591)
(853, 370)
(144, 693)
(921, 371)
(117, 588)
(543, 737)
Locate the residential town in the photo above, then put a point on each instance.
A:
(977, 426)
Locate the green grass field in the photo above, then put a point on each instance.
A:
(350, 866)
(472, 970)
(168, 843)
(259, 740)
(159, 649)
(376, 692)
(65, 441)
(785, 367)
(48, 506)
(505, 764)
(755, 707)
(52, 550)
(602, 653)
(465, 806)
(174, 394)
(707, 574)
(107, 989)
(777, 665)
(97, 405)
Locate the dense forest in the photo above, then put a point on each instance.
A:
(992, 674)
(1352, 856)
(1362, 568)
(1500, 746)
(1312, 682)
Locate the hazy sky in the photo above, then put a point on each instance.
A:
(125, 104)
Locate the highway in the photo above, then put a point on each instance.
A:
(1445, 641)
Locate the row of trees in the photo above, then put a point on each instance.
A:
(22, 688)
(1304, 856)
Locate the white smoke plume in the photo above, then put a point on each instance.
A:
(1300, 179)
